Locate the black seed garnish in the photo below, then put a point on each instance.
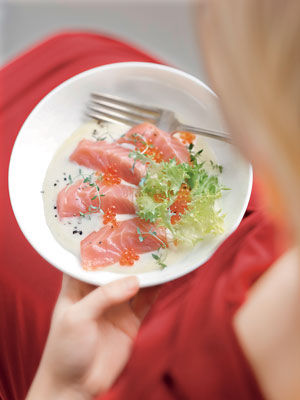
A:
(55, 184)
(99, 242)
(65, 179)
(80, 232)
(74, 232)
(55, 207)
(55, 215)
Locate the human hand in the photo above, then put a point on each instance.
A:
(90, 338)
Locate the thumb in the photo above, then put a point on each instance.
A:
(100, 299)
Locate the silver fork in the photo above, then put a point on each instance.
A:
(114, 109)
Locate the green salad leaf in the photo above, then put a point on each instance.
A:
(158, 191)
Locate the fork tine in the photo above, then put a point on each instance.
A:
(116, 112)
(102, 116)
(126, 105)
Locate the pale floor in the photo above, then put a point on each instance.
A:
(163, 28)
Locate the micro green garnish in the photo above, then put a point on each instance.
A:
(137, 138)
(216, 166)
(194, 156)
(159, 191)
(98, 136)
(152, 233)
(84, 215)
(137, 155)
(160, 258)
(92, 180)
(141, 237)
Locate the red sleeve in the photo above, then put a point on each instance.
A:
(186, 348)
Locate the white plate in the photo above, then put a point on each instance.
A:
(62, 111)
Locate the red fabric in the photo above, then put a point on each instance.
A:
(186, 348)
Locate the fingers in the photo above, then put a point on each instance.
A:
(100, 299)
(73, 289)
(143, 301)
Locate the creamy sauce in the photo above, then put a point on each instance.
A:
(70, 231)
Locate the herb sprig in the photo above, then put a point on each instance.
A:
(160, 257)
(93, 181)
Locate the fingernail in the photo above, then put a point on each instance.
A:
(131, 283)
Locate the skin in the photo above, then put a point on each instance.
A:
(90, 338)
(268, 328)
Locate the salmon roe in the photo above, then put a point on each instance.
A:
(159, 197)
(110, 216)
(128, 257)
(180, 205)
(187, 137)
(155, 154)
(147, 148)
(110, 177)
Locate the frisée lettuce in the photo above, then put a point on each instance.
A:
(159, 189)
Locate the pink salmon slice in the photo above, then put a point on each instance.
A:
(81, 197)
(104, 247)
(101, 155)
(168, 145)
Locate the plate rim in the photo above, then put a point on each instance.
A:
(116, 276)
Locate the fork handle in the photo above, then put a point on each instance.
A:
(204, 132)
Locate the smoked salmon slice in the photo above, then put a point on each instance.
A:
(169, 146)
(81, 197)
(104, 247)
(102, 155)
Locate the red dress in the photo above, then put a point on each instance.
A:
(186, 348)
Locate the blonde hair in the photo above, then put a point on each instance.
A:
(252, 52)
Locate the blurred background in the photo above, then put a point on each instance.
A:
(163, 28)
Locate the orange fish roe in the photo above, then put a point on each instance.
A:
(128, 257)
(147, 148)
(159, 197)
(180, 205)
(110, 177)
(155, 154)
(187, 137)
(110, 216)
